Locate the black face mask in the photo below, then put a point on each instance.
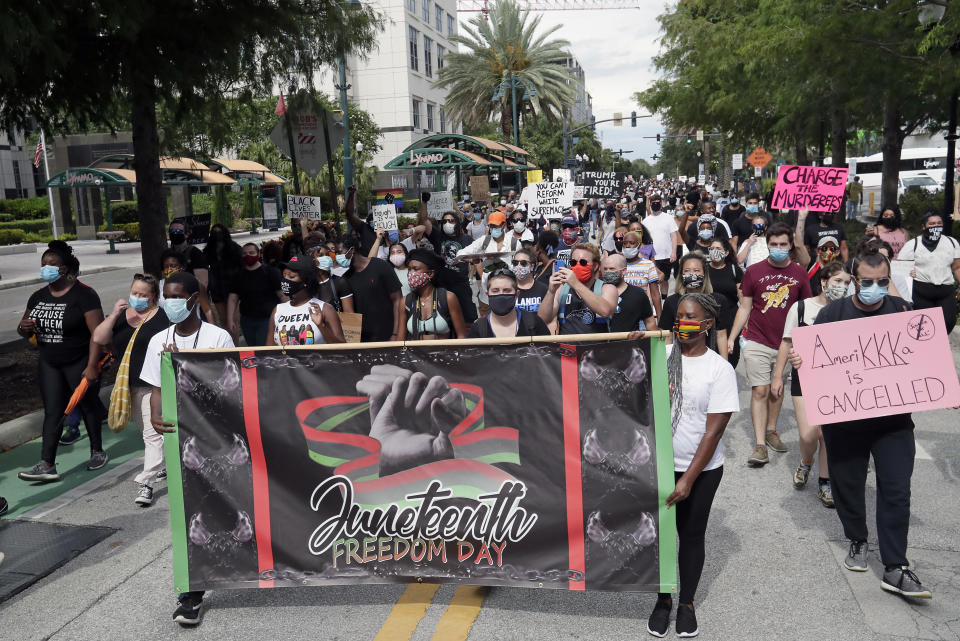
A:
(618, 244)
(827, 219)
(291, 288)
(502, 304)
(889, 223)
(656, 205)
(177, 237)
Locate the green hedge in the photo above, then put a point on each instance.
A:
(26, 208)
(11, 236)
(132, 230)
(6, 218)
(16, 236)
(124, 212)
(40, 225)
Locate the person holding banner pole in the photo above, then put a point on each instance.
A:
(834, 281)
(703, 397)
(889, 439)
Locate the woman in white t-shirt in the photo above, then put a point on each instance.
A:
(703, 397)
(936, 260)
(834, 281)
(303, 319)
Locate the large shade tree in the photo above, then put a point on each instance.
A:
(509, 43)
(68, 63)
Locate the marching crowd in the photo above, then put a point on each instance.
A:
(744, 279)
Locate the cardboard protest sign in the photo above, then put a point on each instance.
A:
(550, 200)
(305, 467)
(352, 324)
(877, 366)
(601, 184)
(561, 175)
(303, 207)
(535, 176)
(816, 188)
(480, 189)
(440, 203)
(384, 217)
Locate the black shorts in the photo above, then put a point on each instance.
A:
(795, 384)
(665, 266)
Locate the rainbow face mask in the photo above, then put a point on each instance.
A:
(687, 329)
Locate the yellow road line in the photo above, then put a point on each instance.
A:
(459, 616)
(409, 609)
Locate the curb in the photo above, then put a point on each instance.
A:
(24, 248)
(37, 281)
(30, 426)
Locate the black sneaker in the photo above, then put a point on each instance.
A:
(4, 506)
(97, 460)
(686, 621)
(71, 435)
(659, 621)
(162, 474)
(187, 614)
(856, 560)
(902, 580)
(40, 472)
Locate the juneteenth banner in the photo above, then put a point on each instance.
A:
(530, 464)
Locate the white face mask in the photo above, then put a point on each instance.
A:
(449, 228)
(519, 226)
(398, 260)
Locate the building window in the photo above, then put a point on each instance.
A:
(430, 109)
(438, 15)
(450, 25)
(440, 53)
(426, 11)
(17, 182)
(412, 6)
(416, 112)
(443, 121)
(427, 60)
(414, 58)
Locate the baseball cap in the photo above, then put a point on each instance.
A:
(828, 239)
(303, 265)
(569, 220)
(496, 218)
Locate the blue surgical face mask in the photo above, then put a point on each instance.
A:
(477, 215)
(496, 232)
(176, 309)
(393, 235)
(138, 303)
(705, 234)
(49, 273)
(872, 295)
(779, 255)
(752, 209)
(324, 263)
(342, 260)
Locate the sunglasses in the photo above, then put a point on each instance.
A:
(583, 262)
(618, 238)
(449, 220)
(869, 282)
(521, 263)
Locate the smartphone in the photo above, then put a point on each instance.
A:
(559, 264)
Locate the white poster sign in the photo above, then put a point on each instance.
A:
(738, 161)
(550, 200)
(562, 175)
(440, 202)
(303, 207)
(385, 217)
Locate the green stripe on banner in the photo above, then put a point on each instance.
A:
(327, 461)
(336, 419)
(171, 452)
(665, 478)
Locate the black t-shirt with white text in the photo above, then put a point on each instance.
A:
(62, 333)
(530, 299)
(813, 233)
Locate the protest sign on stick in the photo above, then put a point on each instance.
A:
(876, 366)
(601, 184)
(303, 207)
(550, 200)
(814, 188)
(480, 189)
(440, 203)
(385, 217)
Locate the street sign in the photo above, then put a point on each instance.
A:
(737, 161)
(308, 139)
(699, 135)
(757, 171)
(759, 157)
(617, 119)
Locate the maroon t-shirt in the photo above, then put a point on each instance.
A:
(774, 290)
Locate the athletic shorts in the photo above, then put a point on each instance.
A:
(665, 267)
(760, 361)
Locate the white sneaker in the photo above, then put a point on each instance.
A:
(144, 496)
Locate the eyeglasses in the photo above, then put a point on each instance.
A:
(583, 262)
(870, 282)
(521, 263)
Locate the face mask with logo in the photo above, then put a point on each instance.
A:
(502, 304)
(717, 255)
(519, 226)
(705, 234)
(759, 230)
(835, 292)
(496, 233)
(398, 260)
(933, 233)
(449, 228)
(167, 273)
(176, 309)
(522, 272)
(49, 273)
(583, 272)
(779, 255)
(827, 255)
(417, 280)
(631, 252)
(872, 295)
(250, 261)
(752, 209)
(291, 287)
(612, 277)
(342, 260)
(569, 236)
(692, 281)
(137, 303)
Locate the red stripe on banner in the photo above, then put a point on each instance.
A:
(261, 489)
(570, 386)
(505, 433)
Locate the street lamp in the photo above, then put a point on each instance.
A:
(930, 13)
(343, 86)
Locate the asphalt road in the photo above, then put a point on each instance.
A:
(773, 570)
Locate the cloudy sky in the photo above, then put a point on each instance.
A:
(615, 47)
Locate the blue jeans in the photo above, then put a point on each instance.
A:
(254, 330)
(853, 207)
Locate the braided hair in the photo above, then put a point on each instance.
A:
(711, 309)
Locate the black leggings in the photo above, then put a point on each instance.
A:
(926, 296)
(57, 383)
(692, 515)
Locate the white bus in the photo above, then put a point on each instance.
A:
(914, 163)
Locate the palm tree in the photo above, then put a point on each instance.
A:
(507, 43)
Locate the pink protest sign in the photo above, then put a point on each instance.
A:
(890, 364)
(816, 188)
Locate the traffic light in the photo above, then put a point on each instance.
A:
(633, 118)
(658, 138)
(689, 139)
(593, 122)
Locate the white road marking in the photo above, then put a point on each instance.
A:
(921, 454)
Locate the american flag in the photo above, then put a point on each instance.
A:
(36, 156)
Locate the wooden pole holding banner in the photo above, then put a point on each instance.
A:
(452, 342)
